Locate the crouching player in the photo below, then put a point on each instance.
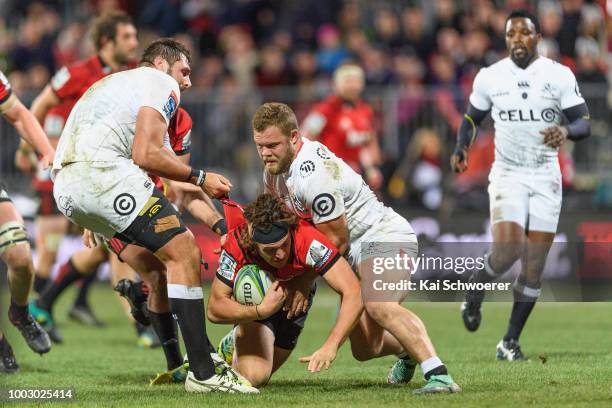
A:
(288, 249)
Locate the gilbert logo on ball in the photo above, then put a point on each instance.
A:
(251, 284)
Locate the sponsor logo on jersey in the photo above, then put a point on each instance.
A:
(318, 254)
(323, 204)
(227, 266)
(523, 84)
(171, 105)
(549, 91)
(307, 168)
(548, 115)
(297, 204)
(323, 153)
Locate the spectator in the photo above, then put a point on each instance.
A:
(331, 52)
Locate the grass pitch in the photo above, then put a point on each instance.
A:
(569, 345)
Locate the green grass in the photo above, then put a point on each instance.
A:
(105, 367)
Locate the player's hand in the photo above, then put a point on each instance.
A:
(459, 160)
(89, 239)
(46, 160)
(298, 291)
(554, 136)
(320, 359)
(216, 186)
(273, 301)
(217, 251)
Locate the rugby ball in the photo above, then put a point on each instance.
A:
(251, 284)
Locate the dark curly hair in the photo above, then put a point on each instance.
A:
(265, 210)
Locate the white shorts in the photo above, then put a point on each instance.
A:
(393, 228)
(391, 238)
(104, 197)
(530, 199)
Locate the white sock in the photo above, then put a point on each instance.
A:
(430, 364)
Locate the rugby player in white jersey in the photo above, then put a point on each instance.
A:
(113, 137)
(317, 185)
(527, 95)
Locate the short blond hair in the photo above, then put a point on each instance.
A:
(275, 114)
(346, 70)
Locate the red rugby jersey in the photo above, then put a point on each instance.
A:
(344, 128)
(310, 251)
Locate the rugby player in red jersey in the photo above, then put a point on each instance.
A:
(288, 249)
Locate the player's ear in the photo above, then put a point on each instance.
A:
(294, 136)
(161, 63)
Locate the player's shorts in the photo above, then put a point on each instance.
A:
(393, 236)
(286, 331)
(530, 199)
(117, 199)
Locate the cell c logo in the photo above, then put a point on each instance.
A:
(323, 204)
(124, 204)
(548, 115)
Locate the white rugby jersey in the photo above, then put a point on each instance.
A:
(320, 186)
(523, 102)
(101, 125)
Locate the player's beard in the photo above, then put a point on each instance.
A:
(283, 163)
(523, 60)
(120, 57)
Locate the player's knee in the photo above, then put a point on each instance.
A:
(361, 353)
(18, 258)
(257, 374)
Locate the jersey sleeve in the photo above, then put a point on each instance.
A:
(66, 83)
(228, 268)
(479, 98)
(316, 251)
(5, 92)
(570, 92)
(163, 96)
(319, 189)
(180, 132)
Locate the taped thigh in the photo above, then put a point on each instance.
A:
(11, 234)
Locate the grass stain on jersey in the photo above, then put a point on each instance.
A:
(333, 169)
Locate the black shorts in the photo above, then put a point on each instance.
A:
(155, 225)
(286, 331)
(47, 205)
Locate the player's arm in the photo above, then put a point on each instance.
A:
(468, 129)
(149, 153)
(579, 127)
(25, 157)
(41, 105)
(223, 309)
(313, 125)
(29, 128)
(336, 231)
(342, 280)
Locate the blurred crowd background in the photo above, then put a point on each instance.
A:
(419, 57)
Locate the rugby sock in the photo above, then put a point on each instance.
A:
(525, 298)
(67, 275)
(486, 274)
(187, 304)
(86, 282)
(165, 328)
(18, 313)
(433, 366)
(40, 283)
